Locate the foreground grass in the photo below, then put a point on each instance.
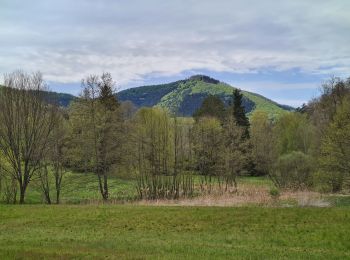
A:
(141, 232)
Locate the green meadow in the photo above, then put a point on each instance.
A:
(151, 232)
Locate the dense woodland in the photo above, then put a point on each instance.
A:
(168, 156)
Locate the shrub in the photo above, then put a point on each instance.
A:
(154, 187)
(274, 192)
(293, 170)
(331, 181)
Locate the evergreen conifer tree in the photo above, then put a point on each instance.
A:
(239, 113)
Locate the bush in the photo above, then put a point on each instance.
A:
(9, 190)
(293, 170)
(333, 181)
(274, 192)
(154, 187)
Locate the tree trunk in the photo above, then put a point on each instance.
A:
(58, 191)
(48, 199)
(58, 181)
(100, 184)
(22, 191)
(105, 186)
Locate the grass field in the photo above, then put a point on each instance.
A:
(257, 229)
(146, 232)
(83, 188)
(80, 188)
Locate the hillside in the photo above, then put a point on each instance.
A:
(185, 96)
(62, 99)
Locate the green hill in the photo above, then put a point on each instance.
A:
(185, 96)
(62, 99)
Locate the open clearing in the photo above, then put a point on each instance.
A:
(257, 226)
(147, 232)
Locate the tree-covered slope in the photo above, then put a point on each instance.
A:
(184, 97)
(62, 99)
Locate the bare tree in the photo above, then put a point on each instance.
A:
(53, 165)
(27, 121)
(44, 177)
(58, 154)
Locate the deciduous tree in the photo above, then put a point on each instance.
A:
(27, 121)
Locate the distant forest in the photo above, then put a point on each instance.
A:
(41, 138)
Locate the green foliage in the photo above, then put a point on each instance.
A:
(161, 154)
(293, 170)
(273, 109)
(152, 137)
(211, 106)
(236, 149)
(335, 149)
(238, 112)
(97, 129)
(294, 133)
(274, 192)
(207, 139)
(263, 142)
(147, 96)
(328, 181)
(186, 96)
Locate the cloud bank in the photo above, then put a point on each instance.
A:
(68, 40)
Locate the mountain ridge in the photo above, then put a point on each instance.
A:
(183, 97)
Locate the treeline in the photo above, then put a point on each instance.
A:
(308, 148)
(166, 154)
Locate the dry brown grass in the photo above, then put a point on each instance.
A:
(305, 198)
(244, 196)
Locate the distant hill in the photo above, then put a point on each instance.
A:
(184, 97)
(62, 99)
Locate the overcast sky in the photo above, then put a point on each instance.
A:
(280, 49)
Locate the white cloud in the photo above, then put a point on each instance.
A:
(68, 40)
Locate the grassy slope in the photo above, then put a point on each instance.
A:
(174, 98)
(144, 232)
(264, 104)
(147, 95)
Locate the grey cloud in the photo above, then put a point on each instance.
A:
(69, 39)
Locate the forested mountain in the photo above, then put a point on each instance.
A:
(184, 97)
(62, 99)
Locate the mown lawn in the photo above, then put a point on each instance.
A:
(146, 232)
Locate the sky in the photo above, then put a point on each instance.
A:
(283, 50)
